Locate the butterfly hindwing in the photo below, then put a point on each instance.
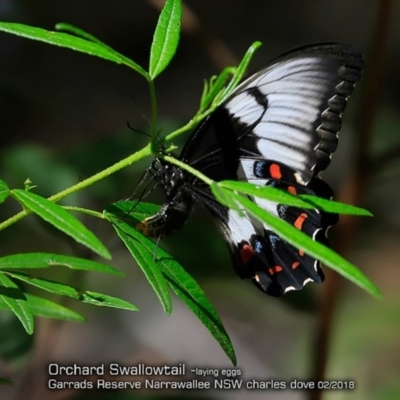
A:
(274, 265)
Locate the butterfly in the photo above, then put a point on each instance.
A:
(278, 128)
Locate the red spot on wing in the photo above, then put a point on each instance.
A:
(301, 252)
(300, 220)
(274, 270)
(295, 265)
(246, 252)
(292, 190)
(275, 171)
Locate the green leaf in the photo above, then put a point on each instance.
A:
(70, 42)
(45, 260)
(61, 219)
(62, 26)
(94, 298)
(335, 206)
(263, 192)
(215, 86)
(144, 251)
(216, 91)
(224, 196)
(166, 37)
(16, 302)
(184, 286)
(240, 72)
(302, 241)
(45, 308)
(134, 210)
(283, 197)
(187, 289)
(104, 300)
(15, 342)
(4, 191)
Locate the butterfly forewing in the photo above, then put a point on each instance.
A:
(294, 107)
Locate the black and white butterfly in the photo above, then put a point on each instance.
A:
(278, 128)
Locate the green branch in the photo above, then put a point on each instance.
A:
(146, 151)
(188, 168)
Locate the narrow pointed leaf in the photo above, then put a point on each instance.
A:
(41, 307)
(302, 241)
(45, 308)
(105, 300)
(302, 201)
(264, 192)
(224, 196)
(335, 206)
(144, 252)
(187, 289)
(240, 71)
(71, 42)
(184, 286)
(61, 219)
(4, 191)
(45, 260)
(166, 37)
(62, 26)
(16, 301)
(215, 86)
(128, 210)
(94, 298)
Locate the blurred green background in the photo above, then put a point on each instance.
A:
(64, 117)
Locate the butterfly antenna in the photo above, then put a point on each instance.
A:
(137, 130)
(144, 116)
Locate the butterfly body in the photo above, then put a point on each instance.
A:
(278, 128)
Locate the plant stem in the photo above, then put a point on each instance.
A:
(188, 168)
(85, 211)
(190, 125)
(154, 119)
(146, 151)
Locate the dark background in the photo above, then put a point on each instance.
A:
(63, 117)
